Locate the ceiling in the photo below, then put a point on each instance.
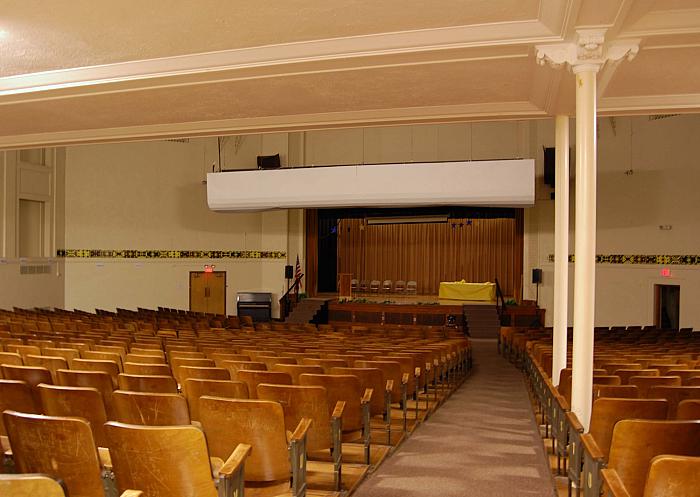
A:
(98, 70)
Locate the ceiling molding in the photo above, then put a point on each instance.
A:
(486, 35)
(649, 104)
(680, 21)
(367, 118)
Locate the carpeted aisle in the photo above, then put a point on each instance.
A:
(482, 442)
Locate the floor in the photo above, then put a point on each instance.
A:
(482, 442)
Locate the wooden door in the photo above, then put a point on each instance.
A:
(208, 292)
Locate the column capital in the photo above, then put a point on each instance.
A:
(589, 52)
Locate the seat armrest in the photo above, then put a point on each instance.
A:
(301, 429)
(132, 493)
(404, 378)
(591, 447)
(235, 461)
(573, 421)
(427, 366)
(614, 483)
(105, 458)
(416, 372)
(367, 397)
(339, 409)
(389, 385)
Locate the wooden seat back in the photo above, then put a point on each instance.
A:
(685, 374)
(220, 357)
(82, 402)
(177, 362)
(203, 373)
(31, 485)
(615, 391)
(344, 388)
(644, 383)
(100, 355)
(11, 359)
(611, 367)
(111, 367)
(31, 375)
(688, 409)
(143, 358)
(326, 364)
(23, 350)
(607, 412)
(194, 388)
(67, 353)
(151, 369)
(296, 370)
(235, 366)
(61, 447)
(259, 423)
(147, 383)
(270, 361)
(673, 476)
(95, 379)
(151, 409)
(626, 374)
(636, 442)
(674, 395)
(254, 378)
(165, 461)
(391, 371)
(303, 402)
(52, 363)
(16, 395)
(369, 378)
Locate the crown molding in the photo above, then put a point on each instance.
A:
(649, 104)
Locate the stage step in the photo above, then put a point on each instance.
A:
(482, 320)
(305, 310)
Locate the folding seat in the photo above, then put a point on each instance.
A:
(374, 286)
(665, 367)
(30, 375)
(173, 462)
(391, 371)
(400, 286)
(324, 434)
(688, 409)
(33, 484)
(147, 369)
(380, 405)
(611, 367)
(194, 388)
(270, 361)
(11, 359)
(61, 447)
(104, 356)
(356, 417)
(295, 370)
(637, 442)
(259, 424)
(605, 414)
(99, 380)
(152, 409)
(81, 402)
(235, 366)
(204, 373)
(147, 383)
(626, 374)
(67, 353)
(685, 374)
(326, 364)
(644, 383)
(23, 350)
(143, 358)
(53, 364)
(17, 396)
(254, 378)
(616, 391)
(80, 346)
(411, 287)
(364, 286)
(111, 367)
(177, 362)
(114, 349)
(674, 395)
(387, 286)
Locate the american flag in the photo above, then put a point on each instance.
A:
(297, 271)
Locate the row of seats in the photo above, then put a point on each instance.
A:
(151, 400)
(386, 286)
(644, 430)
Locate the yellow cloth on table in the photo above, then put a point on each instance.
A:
(461, 290)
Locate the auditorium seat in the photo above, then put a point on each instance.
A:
(67, 353)
(11, 359)
(299, 402)
(53, 364)
(259, 424)
(270, 361)
(235, 366)
(104, 356)
(61, 447)
(254, 378)
(30, 485)
(326, 364)
(147, 383)
(147, 369)
(685, 374)
(94, 379)
(109, 366)
(16, 395)
(173, 461)
(81, 402)
(644, 383)
(204, 373)
(626, 374)
(674, 395)
(688, 409)
(144, 358)
(194, 388)
(152, 409)
(32, 376)
(637, 442)
(616, 391)
(295, 370)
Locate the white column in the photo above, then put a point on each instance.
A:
(584, 254)
(561, 246)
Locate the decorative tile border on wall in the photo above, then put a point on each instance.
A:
(674, 260)
(170, 254)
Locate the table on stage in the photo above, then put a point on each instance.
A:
(461, 290)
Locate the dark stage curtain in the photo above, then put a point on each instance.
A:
(311, 277)
(476, 250)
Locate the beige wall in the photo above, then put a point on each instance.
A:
(40, 180)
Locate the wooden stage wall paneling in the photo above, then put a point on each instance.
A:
(475, 250)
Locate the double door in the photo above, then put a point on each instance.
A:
(208, 292)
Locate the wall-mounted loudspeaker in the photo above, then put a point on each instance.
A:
(288, 272)
(536, 276)
(269, 161)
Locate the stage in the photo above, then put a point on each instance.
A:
(403, 310)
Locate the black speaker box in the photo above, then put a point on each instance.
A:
(549, 170)
(289, 272)
(269, 161)
(536, 276)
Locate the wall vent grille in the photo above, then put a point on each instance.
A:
(662, 116)
(35, 269)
